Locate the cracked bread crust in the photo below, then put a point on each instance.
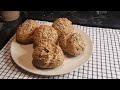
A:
(48, 56)
(45, 33)
(24, 34)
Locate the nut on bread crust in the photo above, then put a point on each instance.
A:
(24, 34)
(48, 56)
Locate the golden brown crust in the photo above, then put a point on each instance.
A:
(45, 33)
(48, 56)
(25, 31)
(63, 26)
(72, 44)
(47, 52)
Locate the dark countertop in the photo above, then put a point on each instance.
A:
(109, 19)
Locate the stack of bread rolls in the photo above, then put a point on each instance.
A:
(47, 53)
(50, 41)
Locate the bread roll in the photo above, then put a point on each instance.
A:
(24, 34)
(72, 44)
(48, 56)
(45, 33)
(63, 26)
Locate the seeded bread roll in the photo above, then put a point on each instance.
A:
(45, 33)
(25, 31)
(72, 44)
(48, 56)
(63, 26)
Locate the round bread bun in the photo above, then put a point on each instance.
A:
(24, 34)
(45, 33)
(63, 26)
(72, 44)
(47, 56)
